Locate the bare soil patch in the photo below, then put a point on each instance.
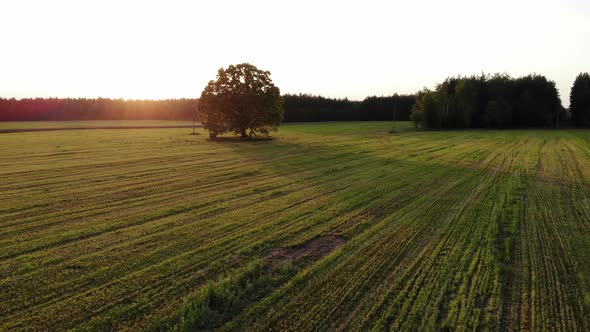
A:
(306, 253)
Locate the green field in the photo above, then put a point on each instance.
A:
(339, 226)
(88, 124)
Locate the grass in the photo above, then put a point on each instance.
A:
(6, 125)
(328, 226)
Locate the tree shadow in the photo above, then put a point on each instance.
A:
(238, 139)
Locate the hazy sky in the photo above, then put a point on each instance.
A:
(169, 49)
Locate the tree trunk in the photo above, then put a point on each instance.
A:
(244, 134)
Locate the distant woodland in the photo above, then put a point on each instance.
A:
(298, 108)
(497, 101)
(69, 109)
(484, 101)
(309, 108)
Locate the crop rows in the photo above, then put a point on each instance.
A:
(329, 226)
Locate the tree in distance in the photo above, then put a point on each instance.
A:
(242, 100)
(417, 113)
(580, 99)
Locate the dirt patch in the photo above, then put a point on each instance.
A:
(233, 261)
(305, 253)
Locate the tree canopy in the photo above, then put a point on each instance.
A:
(580, 99)
(309, 108)
(75, 109)
(496, 101)
(243, 100)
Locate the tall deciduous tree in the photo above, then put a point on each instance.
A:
(417, 115)
(580, 99)
(432, 111)
(242, 100)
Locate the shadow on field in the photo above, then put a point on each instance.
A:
(334, 186)
(349, 169)
(238, 139)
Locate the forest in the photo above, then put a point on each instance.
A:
(77, 109)
(500, 101)
(489, 101)
(478, 101)
(310, 108)
(298, 108)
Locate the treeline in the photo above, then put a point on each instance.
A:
(493, 101)
(497, 101)
(382, 108)
(309, 108)
(70, 109)
(580, 100)
(298, 108)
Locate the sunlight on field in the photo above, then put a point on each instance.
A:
(89, 124)
(328, 226)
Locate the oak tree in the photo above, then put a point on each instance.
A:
(242, 100)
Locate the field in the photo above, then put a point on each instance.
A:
(21, 126)
(340, 226)
(36, 125)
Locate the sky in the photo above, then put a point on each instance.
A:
(171, 49)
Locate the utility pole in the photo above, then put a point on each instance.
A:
(194, 118)
(393, 124)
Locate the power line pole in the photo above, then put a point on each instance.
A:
(394, 111)
(194, 118)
